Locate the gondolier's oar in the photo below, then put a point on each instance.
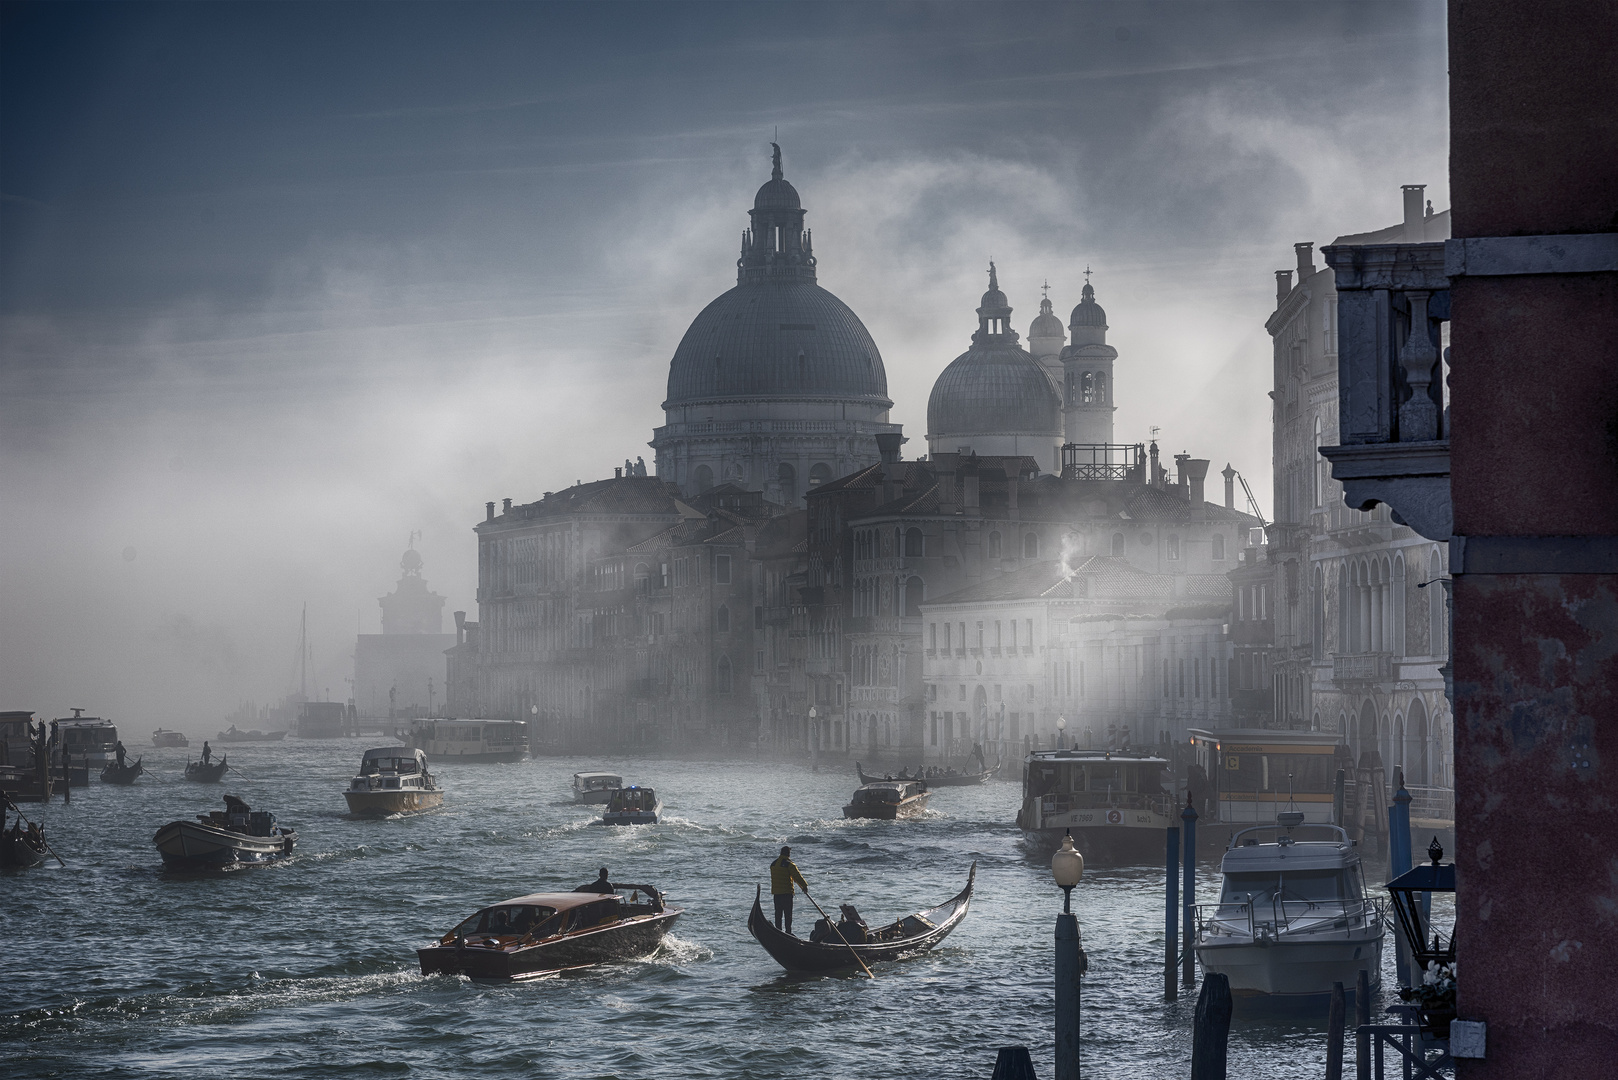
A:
(237, 771)
(46, 842)
(838, 932)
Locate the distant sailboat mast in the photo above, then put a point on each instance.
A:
(303, 654)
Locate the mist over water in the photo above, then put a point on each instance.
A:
(308, 968)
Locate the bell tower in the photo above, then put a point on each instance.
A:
(1087, 384)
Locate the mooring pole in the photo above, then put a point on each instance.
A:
(1334, 1034)
(1337, 802)
(1210, 1032)
(1398, 863)
(1171, 915)
(1362, 1023)
(1187, 950)
(1068, 968)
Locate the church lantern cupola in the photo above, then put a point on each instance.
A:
(777, 247)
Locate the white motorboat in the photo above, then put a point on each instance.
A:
(632, 806)
(1293, 916)
(595, 787)
(393, 780)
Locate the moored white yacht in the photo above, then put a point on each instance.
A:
(393, 780)
(1293, 916)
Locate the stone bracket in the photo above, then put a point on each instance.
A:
(1411, 477)
(1499, 256)
(1534, 555)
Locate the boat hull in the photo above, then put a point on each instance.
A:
(385, 803)
(17, 854)
(887, 811)
(632, 817)
(205, 774)
(126, 775)
(1293, 968)
(629, 939)
(191, 844)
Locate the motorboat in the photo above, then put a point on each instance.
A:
(934, 776)
(469, 740)
(632, 805)
(88, 741)
(235, 734)
(115, 773)
(907, 936)
(1113, 802)
(161, 737)
(595, 787)
(393, 780)
(236, 835)
(887, 800)
(530, 936)
(207, 772)
(1293, 915)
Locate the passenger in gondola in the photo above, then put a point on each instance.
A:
(783, 873)
(852, 927)
(119, 752)
(599, 885)
(207, 752)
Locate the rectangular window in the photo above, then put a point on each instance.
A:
(1196, 678)
(1013, 633)
(722, 569)
(758, 618)
(980, 637)
(946, 637)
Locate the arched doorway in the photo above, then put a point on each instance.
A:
(702, 479)
(1418, 759)
(1368, 734)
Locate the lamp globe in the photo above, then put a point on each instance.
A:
(1067, 865)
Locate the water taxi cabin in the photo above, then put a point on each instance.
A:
(387, 766)
(1249, 775)
(470, 740)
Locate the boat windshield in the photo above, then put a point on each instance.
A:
(1312, 886)
(510, 919)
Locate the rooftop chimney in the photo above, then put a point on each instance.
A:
(1196, 470)
(488, 511)
(1306, 260)
(1283, 285)
(1230, 486)
(618, 473)
(1415, 221)
(887, 445)
(1152, 477)
(1181, 477)
(460, 628)
(505, 506)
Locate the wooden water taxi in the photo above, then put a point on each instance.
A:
(888, 800)
(908, 936)
(236, 835)
(633, 805)
(595, 787)
(393, 780)
(530, 936)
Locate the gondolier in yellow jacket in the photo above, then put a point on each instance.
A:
(783, 872)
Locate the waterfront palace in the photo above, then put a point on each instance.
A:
(787, 581)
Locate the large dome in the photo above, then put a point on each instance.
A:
(777, 339)
(992, 390)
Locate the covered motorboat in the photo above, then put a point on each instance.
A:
(115, 773)
(633, 805)
(534, 935)
(163, 737)
(238, 834)
(1293, 916)
(908, 936)
(393, 780)
(595, 787)
(887, 800)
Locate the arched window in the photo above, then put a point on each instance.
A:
(1030, 546)
(788, 476)
(1101, 388)
(1118, 545)
(1398, 596)
(702, 479)
(914, 544)
(994, 545)
(722, 676)
(1317, 627)
(913, 591)
(1368, 733)
(1418, 760)
(643, 578)
(1174, 546)
(721, 620)
(820, 474)
(1218, 547)
(1318, 487)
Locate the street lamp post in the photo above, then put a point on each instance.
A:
(1067, 867)
(814, 730)
(1061, 726)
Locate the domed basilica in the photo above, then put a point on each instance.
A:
(777, 385)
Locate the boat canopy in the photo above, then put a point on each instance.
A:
(597, 779)
(396, 759)
(888, 791)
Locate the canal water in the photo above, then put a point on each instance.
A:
(112, 968)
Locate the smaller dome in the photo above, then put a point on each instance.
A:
(1089, 313)
(1046, 324)
(410, 563)
(777, 194)
(994, 390)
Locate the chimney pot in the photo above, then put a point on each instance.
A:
(1230, 486)
(488, 511)
(1306, 260)
(1283, 285)
(618, 473)
(1196, 470)
(888, 444)
(1415, 222)
(505, 506)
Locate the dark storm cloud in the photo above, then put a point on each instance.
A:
(281, 283)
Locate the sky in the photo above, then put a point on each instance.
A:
(281, 284)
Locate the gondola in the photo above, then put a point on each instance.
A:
(20, 849)
(115, 773)
(908, 936)
(958, 780)
(205, 773)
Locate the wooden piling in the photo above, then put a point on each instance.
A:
(1013, 1063)
(1212, 1030)
(1334, 1034)
(1362, 1023)
(1189, 894)
(1171, 916)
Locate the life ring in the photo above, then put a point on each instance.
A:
(1114, 817)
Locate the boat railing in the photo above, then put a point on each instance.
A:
(1277, 918)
